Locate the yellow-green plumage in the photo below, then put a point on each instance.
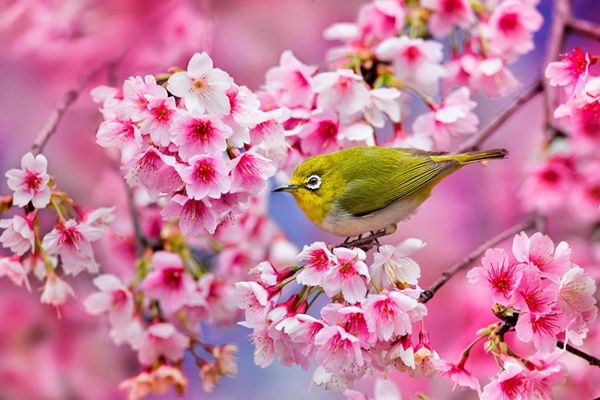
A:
(366, 188)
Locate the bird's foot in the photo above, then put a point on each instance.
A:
(370, 241)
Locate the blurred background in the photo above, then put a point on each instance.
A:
(47, 46)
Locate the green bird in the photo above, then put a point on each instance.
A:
(366, 189)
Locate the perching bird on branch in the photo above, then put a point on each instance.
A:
(366, 189)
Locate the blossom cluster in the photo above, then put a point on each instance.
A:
(365, 328)
(191, 147)
(569, 178)
(179, 141)
(385, 53)
(66, 249)
(541, 294)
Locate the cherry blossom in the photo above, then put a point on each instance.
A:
(168, 283)
(71, 240)
(290, 81)
(56, 291)
(457, 373)
(453, 117)
(162, 339)
(342, 91)
(336, 348)
(202, 87)
(447, 14)
(498, 275)
(319, 260)
(195, 216)
(12, 268)
(199, 134)
(416, 61)
(570, 70)
(206, 176)
(347, 275)
(155, 171)
(539, 250)
(18, 235)
(114, 297)
(250, 172)
(30, 183)
(391, 314)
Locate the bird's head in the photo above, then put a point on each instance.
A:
(315, 185)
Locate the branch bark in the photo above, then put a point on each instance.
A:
(490, 129)
(589, 358)
(584, 28)
(57, 115)
(478, 252)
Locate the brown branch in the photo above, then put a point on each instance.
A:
(478, 252)
(584, 28)
(490, 129)
(587, 357)
(67, 100)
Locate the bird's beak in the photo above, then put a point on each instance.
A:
(286, 188)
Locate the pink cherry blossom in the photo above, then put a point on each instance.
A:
(202, 87)
(381, 19)
(113, 298)
(253, 299)
(13, 269)
(318, 261)
(511, 383)
(586, 199)
(250, 172)
(347, 275)
(457, 373)
(336, 348)
(498, 275)
(199, 134)
(416, 61)
(120, 132)
(162, 339)
(159, 117)
(493, 77)
(56, 291)
(342, 91)
(541, 329)
(195, 216)
(137, 93)
(18, 235)
(154, 171)
(448, 14)
(538, 250)
(567, 72)
(392, 264)
(576, 292)
(534, 294)
(390, 314)
(453, 117)
(511, 28)
(290, 81)
(206, 176)
(30, 183)
(384, 390)
(301, 328)
(548, 184)
(425, 357)
(168, 282)
(384, 102)
(352, 319)
(71, 241)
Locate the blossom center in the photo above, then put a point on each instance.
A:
(508, 22)
(33, 181)
(202, 130)
(69, 236)
(162, 113)
(173, 277)
(452, 6)
(412, 54)
(204, 172)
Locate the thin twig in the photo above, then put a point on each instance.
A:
(490, 129)
(67, 100)
(589, 358)
(465, 262)
(585, 28)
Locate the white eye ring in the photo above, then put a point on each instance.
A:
(313, 182)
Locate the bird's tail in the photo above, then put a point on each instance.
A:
(472, 156)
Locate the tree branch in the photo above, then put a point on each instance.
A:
(490, 129)
(67, 100)
(140, 239)
(589, 358)
(584, 28)
(465, 262)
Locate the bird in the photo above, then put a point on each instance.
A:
(365, 189)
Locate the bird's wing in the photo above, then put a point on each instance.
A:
(390, 179)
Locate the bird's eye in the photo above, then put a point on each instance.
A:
(313, 182)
